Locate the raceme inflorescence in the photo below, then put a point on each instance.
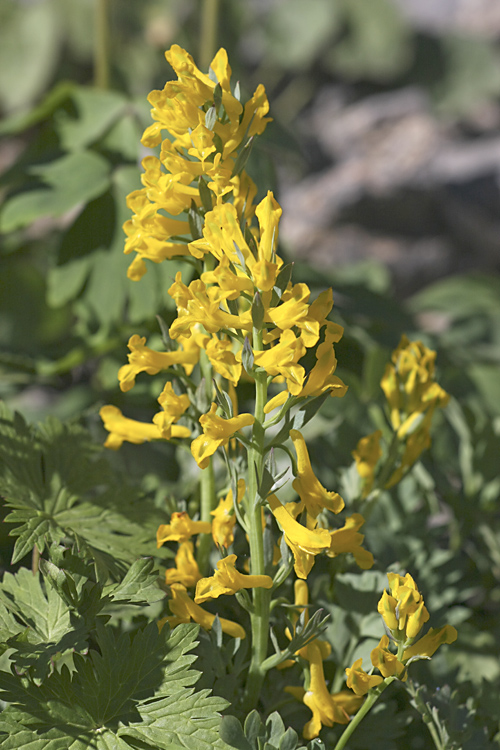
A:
(249, 359)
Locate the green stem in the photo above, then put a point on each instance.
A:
(101, 46)
(207, 505)
(261, 597)
(370, 701)
(208, 31)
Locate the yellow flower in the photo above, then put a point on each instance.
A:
(184, 610)
(359, 681)
(225, 518)
(227, 580)
(322, 378)
(409, 384)
(312, 493)
(174, 407)
(180, 529)
(220, 354)
(367, 454)
(198, 304)
(384, 660)
(144, 359)
(430, 642)
(121, 428)
(216, 433)
(186, 570)
(282, 359)
(403, 610)
(304, 543)
(231, 283)
(324, 709)
(347, 539)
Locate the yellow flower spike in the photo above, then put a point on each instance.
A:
(186, 570)
(180, 529)
(282, 359)
(347, 539)
(174, 407)
(184, 609)
(312, 493)
(227, 580)
(220, 354)
(304, 543)
(385, 661)
(122, 429)
(429, 643)
(216, 433)
(144, 359)
(367, 455)
(225, 517)
(359, 681)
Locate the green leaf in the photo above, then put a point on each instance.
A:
(48, 633)
(140, 585)
(72, 179)
(232, 732)
(134, 690)
(96, 111)
(58, 485)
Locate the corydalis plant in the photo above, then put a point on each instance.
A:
(240, 320)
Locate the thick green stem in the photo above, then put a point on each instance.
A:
(207, 505)
(101, 44)
(208, 31)
(261, 597)
(370, 701)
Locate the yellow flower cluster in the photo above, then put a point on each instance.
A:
(404, 614)
(412, 395)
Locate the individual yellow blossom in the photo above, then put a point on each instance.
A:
(282, 359)
(345, 703)
(322, 378)
(231, 283)
(180, 529)
(415, 445)
(385, 661)
(122, 429)
(318, 699)
(216, 433)
(198, 304)
(367, 455)
(227, 580)
(276, 401)
(294, 311)
(409, 385)
(225, 518)
(347, 539)
(359, 681)
(144, 359)
(184, 610)
(305, 543)
(430, 642)
(220, 354)
(311, 492)
(403, 610)
(186, 569)
(173, 406)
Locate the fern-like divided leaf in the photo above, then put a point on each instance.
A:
(128, 692)
(59, 486)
